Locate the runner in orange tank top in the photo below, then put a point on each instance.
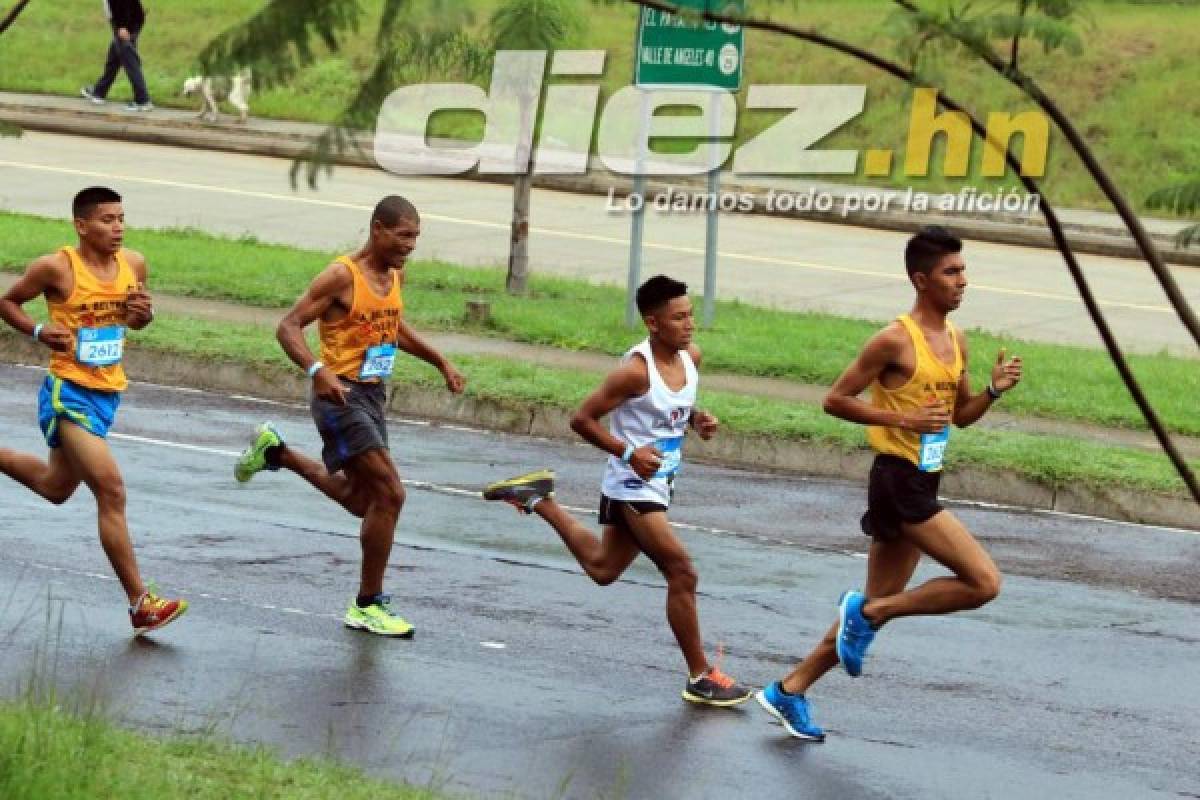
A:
(94, 293)
(916, 369)
(358, 307)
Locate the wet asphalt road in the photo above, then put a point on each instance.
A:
(526, 680)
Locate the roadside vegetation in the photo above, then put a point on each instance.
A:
(1130, 91)
(46, 751)
(1062, 382)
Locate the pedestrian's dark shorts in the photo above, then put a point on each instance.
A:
(898, 492)
(610, 512)
(352, 429)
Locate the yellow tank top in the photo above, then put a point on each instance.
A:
(361, 345)
(932, 377)
(95, 315)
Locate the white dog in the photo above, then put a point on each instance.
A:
(235, 89)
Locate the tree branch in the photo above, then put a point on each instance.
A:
(1052, 221)
(11, 16)
(1140, 236)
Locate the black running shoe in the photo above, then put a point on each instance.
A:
(523, 491)
(715, 688)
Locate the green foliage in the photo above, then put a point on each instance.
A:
(1182, 198)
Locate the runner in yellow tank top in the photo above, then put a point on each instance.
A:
(916, 371)
(94, 293)
(358, 308)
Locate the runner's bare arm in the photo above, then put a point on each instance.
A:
(41, 275)
(414, 345)
(705, 423)
(139, 306)
(320, 296)
(629, 380)
(1005, 374)
(842, 401)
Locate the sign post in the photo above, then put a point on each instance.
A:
(680, 51)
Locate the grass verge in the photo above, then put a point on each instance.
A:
(45, 752)
(1047, 459)
(1061, 382)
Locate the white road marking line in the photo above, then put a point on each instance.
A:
(890, 275)
(451, 490)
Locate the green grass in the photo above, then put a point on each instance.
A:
(1050, 460)
(1131, 92)
(45, 752)
(1061, 382)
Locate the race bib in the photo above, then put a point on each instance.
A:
(100, 347)
(672, 456)
(933, 450)
(378, 362)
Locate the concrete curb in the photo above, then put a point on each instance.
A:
(729, 449)
(282, 142)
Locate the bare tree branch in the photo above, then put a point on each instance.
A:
(1052, 221)
(1145, 244)
(11, 16)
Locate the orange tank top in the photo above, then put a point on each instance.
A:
(932, 377)
(362, 345)
(95, 315)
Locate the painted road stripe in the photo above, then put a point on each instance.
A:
(890, 275)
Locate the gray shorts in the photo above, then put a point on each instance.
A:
(352, 429)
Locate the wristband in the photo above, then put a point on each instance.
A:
(628, 454)
(993, 392)
(315, 368)
(37, 331)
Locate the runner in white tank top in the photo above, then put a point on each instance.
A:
(658, 418)
(649, 399)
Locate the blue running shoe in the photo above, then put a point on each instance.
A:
(854, 634)
(792, 711)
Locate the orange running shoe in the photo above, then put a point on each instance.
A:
(153, 612)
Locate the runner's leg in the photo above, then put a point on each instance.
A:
(54, 480)
(90, 459)
(604, 559)
(976, 580)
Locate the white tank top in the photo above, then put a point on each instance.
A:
(659, 417)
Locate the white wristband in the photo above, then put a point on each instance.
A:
(628, 453)
(37, 331)
(315, 368)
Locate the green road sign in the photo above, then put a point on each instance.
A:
(683, 52)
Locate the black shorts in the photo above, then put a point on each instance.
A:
(898, 492)
(610, 513)
(352, 429)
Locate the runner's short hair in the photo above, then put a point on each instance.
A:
(86, 200)
(926, 249)
(393, 208)
(657, 292)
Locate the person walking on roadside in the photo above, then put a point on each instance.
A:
(916, 369)
(126, 18)
(94, 292)
(357, 305)
(650, 399)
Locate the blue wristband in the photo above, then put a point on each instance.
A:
(316, 367)
(628, 454)
(37, 331)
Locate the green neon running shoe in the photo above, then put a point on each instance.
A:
(378, 618)
(254, 458)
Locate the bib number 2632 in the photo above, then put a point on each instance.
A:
(378, 362)
(933, 450)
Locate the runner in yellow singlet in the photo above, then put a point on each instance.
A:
(94, 292)
(357, 304)
(916, 371)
